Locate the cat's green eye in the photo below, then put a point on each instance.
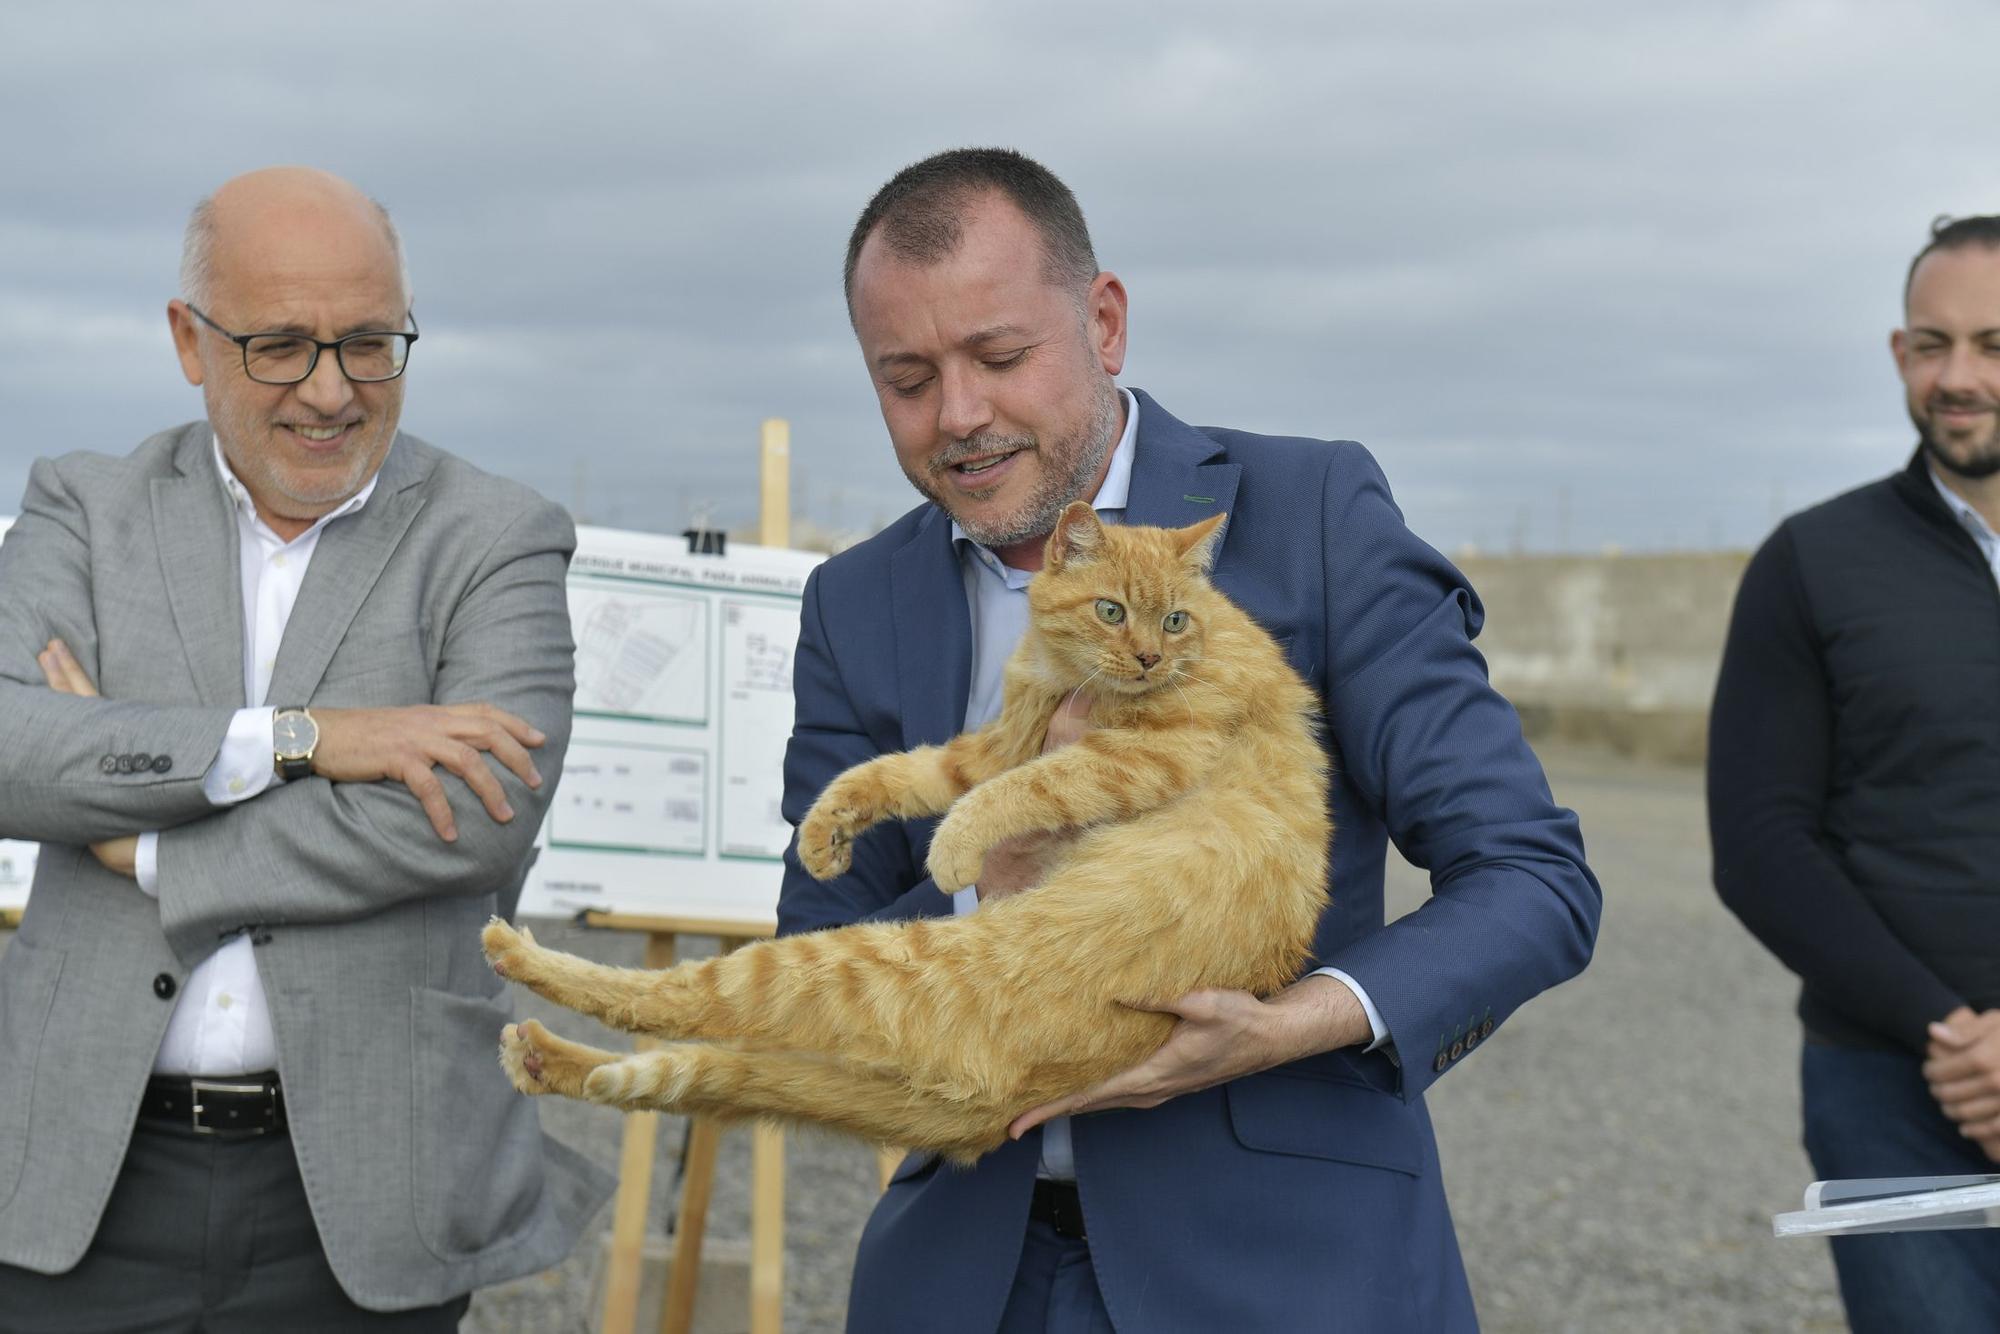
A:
(1109, 612)
(1175, 623)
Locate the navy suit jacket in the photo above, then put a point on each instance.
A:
(1305, 1197)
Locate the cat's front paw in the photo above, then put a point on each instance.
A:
(843, 811)
(955, 856)
(826, 840)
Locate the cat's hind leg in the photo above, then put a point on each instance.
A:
(705, 1079)
(595, 989)
(863, 990)
(537, 1061)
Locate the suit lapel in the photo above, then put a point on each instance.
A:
(1178, 477)
(349, 558)
(196, 532)
(933, 629)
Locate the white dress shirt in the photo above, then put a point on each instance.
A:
(1972, 521)
(221, 1024)
(997, 595)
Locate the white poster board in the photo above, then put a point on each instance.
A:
(17, 860)
(669, 799)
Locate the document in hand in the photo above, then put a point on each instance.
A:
(1893, 1204)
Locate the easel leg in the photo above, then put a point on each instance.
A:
(635, 1191)
(690, 1223)
(767, 1229)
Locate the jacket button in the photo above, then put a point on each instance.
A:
(108, 765)
(1486, 1029)
(164, 986)
(1440, 1063)
(124, 764)
(162, 763)
(1457, 1050)
(142, 763)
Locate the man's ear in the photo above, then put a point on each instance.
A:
(180, 323)
(1199, 544)
(1079, 537)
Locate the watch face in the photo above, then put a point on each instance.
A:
(293, 733)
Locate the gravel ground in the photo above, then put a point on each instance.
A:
(1613, 1155)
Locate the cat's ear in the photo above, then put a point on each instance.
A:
(1199, 544)
(1079, 537)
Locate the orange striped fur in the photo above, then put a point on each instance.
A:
(1193, 823)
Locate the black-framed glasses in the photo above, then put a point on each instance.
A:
(369, 357)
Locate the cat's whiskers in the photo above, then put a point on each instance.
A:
(1098, 671)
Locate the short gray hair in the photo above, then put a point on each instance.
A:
(198, 252)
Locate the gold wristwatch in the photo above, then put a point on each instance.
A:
(294, 735)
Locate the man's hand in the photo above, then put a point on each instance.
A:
(1223, 1035)
(1962, 1068)
(63, 672)
(1018, 863)
(119, 854)
(403, 744)
(65, 676)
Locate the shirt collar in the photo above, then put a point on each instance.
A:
(1973, 521)
(1110, 497)
(239, 495)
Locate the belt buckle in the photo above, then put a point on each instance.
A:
(200, 1086)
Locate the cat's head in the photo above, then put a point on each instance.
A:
(1124, 609)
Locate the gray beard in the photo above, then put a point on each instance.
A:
(1088, 450)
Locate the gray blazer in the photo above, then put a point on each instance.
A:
(428, 1175)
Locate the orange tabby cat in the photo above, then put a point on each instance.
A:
(1196, 814)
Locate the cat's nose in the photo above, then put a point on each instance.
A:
(1148, 660)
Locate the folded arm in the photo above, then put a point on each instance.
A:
(68, 763)
(316, 850)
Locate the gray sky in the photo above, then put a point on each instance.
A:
(1576, 272)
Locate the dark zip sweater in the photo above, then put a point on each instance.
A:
(1854, 762)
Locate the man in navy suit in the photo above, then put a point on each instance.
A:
(1272, 1167)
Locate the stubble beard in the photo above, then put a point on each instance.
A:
(1983, 460)
(258, 460)
(1070, 464)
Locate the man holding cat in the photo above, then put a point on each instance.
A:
(246, 1028)
(1272, 1167)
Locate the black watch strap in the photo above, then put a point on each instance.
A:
(294, 768)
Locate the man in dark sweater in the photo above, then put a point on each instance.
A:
(1854, 796)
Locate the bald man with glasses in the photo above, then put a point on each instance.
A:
(278, 692)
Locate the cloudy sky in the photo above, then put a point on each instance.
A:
(1577, 273)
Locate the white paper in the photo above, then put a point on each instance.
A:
(1893, 1204)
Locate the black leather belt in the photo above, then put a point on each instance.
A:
(1056, 1204)
(229, 1105)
